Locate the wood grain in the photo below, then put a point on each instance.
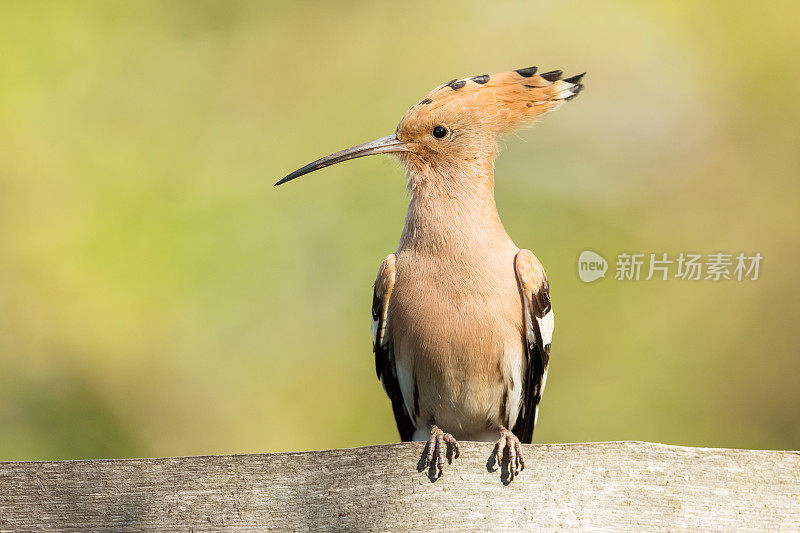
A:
(594, 486)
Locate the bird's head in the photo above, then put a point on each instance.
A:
(456, 124)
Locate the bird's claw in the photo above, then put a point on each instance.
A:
(437, 449)
(516, 459)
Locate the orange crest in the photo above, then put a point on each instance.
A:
(497, 103)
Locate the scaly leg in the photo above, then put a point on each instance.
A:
(437, 445)
(516, 459)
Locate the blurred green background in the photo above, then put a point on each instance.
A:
(159, 297)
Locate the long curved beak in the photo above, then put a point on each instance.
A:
(384, 145)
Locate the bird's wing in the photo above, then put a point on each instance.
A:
(538, 316)
(382, 346)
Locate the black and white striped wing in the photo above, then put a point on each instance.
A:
(382, 346)
(539, 323)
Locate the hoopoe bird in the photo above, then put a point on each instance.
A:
(461, 317)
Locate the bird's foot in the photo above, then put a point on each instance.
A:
(437, 449)
(516, 459)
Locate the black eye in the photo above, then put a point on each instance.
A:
(439, 131)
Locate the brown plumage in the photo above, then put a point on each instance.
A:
(462, 322)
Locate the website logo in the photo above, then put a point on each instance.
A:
(591, 266)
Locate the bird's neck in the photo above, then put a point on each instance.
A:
(453, 212)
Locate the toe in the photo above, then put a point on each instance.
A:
(520, 455)
(441, 450)
(501, 446)
(456, 448)
(431, 448)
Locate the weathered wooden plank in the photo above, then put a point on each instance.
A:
(598, 486)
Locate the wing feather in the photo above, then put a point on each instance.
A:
(382, 347)
(539, 322)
